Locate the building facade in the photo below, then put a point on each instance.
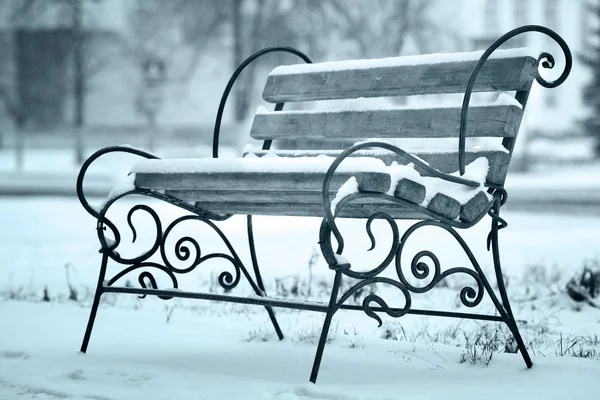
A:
(550, 111)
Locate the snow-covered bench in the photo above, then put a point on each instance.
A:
(374, 179)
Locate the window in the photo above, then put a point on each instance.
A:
(520, 17)
(551, 13)
(491, 17)
(521, 12)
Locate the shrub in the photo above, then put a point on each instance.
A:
(585, 286)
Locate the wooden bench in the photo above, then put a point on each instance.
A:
(373, 179)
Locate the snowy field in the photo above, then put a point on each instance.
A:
(136, 355)
(150, 349)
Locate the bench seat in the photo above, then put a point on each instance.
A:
(293, 187)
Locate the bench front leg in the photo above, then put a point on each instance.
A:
(331, 309)
(95, 304)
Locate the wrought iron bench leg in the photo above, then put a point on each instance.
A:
(332, 308)
(509, 319)
(470, 295)
(259, 280)
(94, 310)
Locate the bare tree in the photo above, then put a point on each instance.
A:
(252, 24)
(320, 28)
(382, 27)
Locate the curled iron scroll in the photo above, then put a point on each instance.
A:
(80, 177)
(548, 63)
(373, 298)
(469, 296)
(186, 248)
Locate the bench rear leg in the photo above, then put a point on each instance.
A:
(510, 319)
(94, 310)
(259, 280)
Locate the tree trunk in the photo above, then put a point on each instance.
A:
(19, 142)
(241, 98)
(78, 87)
(152, 133)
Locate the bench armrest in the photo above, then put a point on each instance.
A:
(329, 218)
(81, 176)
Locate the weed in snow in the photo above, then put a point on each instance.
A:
(481, 348)
(585, 285)
(261, 334)
(311, 334)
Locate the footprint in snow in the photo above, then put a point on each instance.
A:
(310, 392)
(76, 375)
(131, 378)
(14, 354)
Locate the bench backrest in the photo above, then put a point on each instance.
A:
(507, 70)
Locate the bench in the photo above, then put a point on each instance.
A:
(373, 179)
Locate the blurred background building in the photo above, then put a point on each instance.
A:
(87, 73)
(552, 124)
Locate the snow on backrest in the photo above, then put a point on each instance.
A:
(505, 70)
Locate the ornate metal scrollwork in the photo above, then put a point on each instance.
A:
(186, 248)
(373, 298)
(145, 278)
(470, 296)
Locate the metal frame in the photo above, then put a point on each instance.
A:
(184, 247)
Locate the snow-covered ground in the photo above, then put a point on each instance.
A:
(137, 355)
(152, 349)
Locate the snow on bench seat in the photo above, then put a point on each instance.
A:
(292, 186)
(443, 160)
(284, 174)
(448, 199)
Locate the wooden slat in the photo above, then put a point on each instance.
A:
(410, 190)
(493, 121)
(288, 181)
(474, 207)
(373, 182)
(266, 198)
(355, 210)
(503, 74)
(309, 203)
(444, 205)
(447, 161)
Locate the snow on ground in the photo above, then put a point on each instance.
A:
(137, 355)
